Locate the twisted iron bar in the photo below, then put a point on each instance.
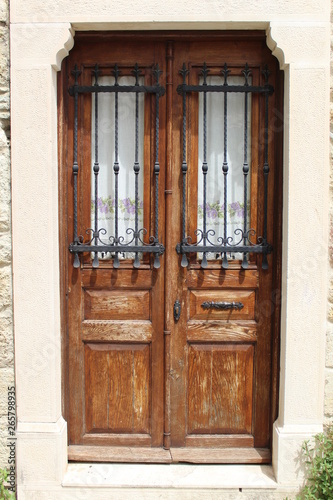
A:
(76, 73)
(184, 72)
(96, 72)
(157, 72)
(246, 72)
(225, 71)
(136, 72)
(204, 72)
(116, 74)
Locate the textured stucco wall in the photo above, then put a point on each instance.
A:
(329, 336)
(6, 323)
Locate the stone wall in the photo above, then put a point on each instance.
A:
(6, 321)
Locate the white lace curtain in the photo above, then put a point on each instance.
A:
(126, 156)
(215, 157)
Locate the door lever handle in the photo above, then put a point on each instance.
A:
(177, 308)
(222, 305)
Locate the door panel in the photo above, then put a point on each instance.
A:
(220, 389)
(138, 380)
(204, 304)
(221, 358)
(112, 305)
(117, 375)
(115, 314)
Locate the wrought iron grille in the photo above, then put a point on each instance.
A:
(242, 240)
(98, 241)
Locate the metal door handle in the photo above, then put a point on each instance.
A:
(222, 305)
(177, 310)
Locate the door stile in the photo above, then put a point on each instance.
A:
(168, 321)
(76, 373)
(158, 275)
(277, 256)
(63, 241)
(178, 340)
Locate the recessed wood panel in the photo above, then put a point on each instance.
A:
(220, 389)
(116, 304)
(199, 297)
(117, 386)
(97, 388)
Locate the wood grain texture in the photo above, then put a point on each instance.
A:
(220, 389)
(221, 455)
(118, 454)
(108, 438)
(117, 331)
(116, 305)
(224, 278)
(213, 331)
(199, 297)
(141, 390)
(118, 320)
(96, 388)
(120, 397)
(170, 288)
(117, 387)
(220, 441)
(227, 355)
(108, 278)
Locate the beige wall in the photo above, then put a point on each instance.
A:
(329, 336)
(6, 322)
(41, 35)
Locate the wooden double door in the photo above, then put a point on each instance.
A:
(151, 372)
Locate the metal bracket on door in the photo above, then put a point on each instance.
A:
(177, 308)
(222, 305)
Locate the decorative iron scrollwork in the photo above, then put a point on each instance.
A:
(115, 244)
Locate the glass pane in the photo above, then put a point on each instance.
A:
(126, 156)
(215, 157)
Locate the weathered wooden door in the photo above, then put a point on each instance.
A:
(171, 333)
